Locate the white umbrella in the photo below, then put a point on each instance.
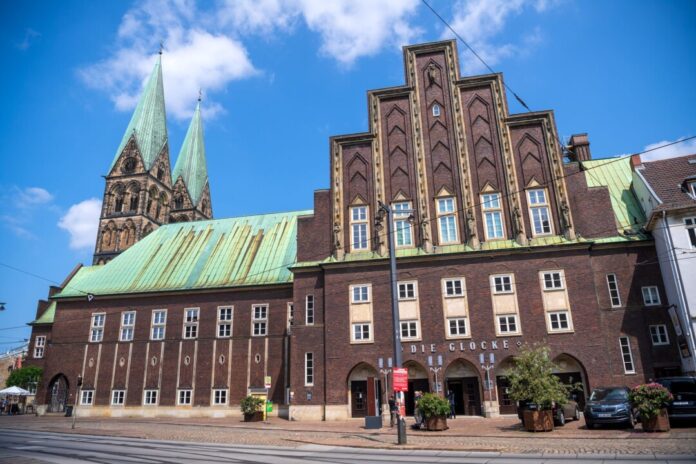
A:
(15, 391)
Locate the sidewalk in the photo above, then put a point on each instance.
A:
(466, 433)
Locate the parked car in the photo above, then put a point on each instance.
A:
(683, 389)
(610, 405)
(569, 411)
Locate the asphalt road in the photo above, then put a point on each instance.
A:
(30, 447)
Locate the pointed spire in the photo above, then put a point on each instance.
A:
(148, 123)
(191, 163)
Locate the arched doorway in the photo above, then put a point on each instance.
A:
(365, 391)
(58, 393)
(462, 379)
(506, 405)
(571, 372)
(418, 380)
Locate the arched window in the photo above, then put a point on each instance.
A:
(134, 193)
(161, 205)
(119, 193)
(160, 172)
(153, 195)
(178, 201)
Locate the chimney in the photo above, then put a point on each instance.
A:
(635, 161)
(579, 148)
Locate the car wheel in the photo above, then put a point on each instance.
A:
(576, 415)
(589, 425)
(631, 421)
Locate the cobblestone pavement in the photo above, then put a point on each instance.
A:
(470, 434)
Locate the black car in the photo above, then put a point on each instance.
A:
(683, 389)
(610, 405)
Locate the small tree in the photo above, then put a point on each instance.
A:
(432, 405)
(25, 377)
(532, 378)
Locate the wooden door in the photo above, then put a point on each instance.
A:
(358, 398)
(505, 403)
(472, 397)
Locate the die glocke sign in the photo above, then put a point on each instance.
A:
(461, 346)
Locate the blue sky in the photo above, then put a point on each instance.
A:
(279, 78)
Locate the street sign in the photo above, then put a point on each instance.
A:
(267, 381)
(400, 379)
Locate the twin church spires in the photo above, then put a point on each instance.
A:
(142, 192)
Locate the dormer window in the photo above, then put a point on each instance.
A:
(358, 227)
(539, 212)
(436, 110)
(691, 187)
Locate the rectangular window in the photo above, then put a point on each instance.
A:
(361, 332)
(492, 215)
(559, 321)
(409, 330)
(613, 285)
(159, 323)
(118, 397)
(127, 326)
(224, 322)
(658, 334)
(447, 220)
(539, 212)
(96, 332)
(86, 397)
(184, 397)
(360, 293)
(220, 396)
(507, 324)
(291, 314)
(454, 288)
(39, 346)
(457, 327)
(690, 225)
(309, 369)
(553, 281)
(651, 297)
(407, 291)
(359, 227)
(191, 322)
(402, 226)
(626, 355)
(259, 316)
(309, 310)
(502, 284)
(150, 397)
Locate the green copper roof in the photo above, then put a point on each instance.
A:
(616, 175)
(47, 316)
(148, 122)
(190, 164)
(222, 253)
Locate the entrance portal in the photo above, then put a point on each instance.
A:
(506, 405)
(571, 372)
(417, 381)
(58, 394)
(463, 380)
(365, 391)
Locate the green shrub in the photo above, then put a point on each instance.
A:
(531, 379)
(432, 405)
(251, 404)
(649, 398)
(25, 377)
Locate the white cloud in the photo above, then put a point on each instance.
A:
(81, 221)
(672, 151)
(30, 36)
(32, 196)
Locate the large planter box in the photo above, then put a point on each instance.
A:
(253, 417)
(538, 421)
(659, 423)
(436, 423)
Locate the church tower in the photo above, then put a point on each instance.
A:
(191, 192)
(138, 187)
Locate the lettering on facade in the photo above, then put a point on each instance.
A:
(483, 345)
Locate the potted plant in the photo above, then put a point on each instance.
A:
(435, 409)
(252, 408)
(651, 401)
(533, 383)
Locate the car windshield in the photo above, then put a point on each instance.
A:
(602, 394)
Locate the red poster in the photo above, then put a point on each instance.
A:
(400, 379)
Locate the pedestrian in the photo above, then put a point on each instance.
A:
(3, 404)
(393, 411)
(450, 398)
(416, 410)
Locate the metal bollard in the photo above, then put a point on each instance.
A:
(402, 431)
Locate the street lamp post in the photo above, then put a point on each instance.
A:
(487, 367)
(385, 371)
(435, 370)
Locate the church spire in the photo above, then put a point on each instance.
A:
(148, 124)
(191, 163)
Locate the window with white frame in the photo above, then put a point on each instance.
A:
(447, 220)
(436, 110)
(309, 369)
(502, 283)
(183, 397)
(658, 334)
(402, 225)
(407, 291)
(360, 293)
(492, 209)
(508, 324)
(651, 297)
(690, 225)
(191, 322)
(159, 324)
(692, 188)
(309, 310)
(150, 397)
(559, 321)
(553, 280)
(96, 331)
(359, 227)
(613, 285)
(409, 330)
(118, 397)
(361, 332)
(627, 355)
(457, 327)
(291, 314)
(224, 322)
(539, 212)
(259, 320)
(39, 346)
(220, 396)
(454, 288)
(127, 326)
(87, 397)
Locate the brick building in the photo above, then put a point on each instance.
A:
(503, 239)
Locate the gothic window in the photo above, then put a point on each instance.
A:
(152, 199)
(178, 201)
(134, 193)
(109, 237)
(128, 165)
(147, 230)
(161, 205)
(119, 194)
(160, 172)
(204, 207)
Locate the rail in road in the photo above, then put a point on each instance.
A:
(30, 447)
